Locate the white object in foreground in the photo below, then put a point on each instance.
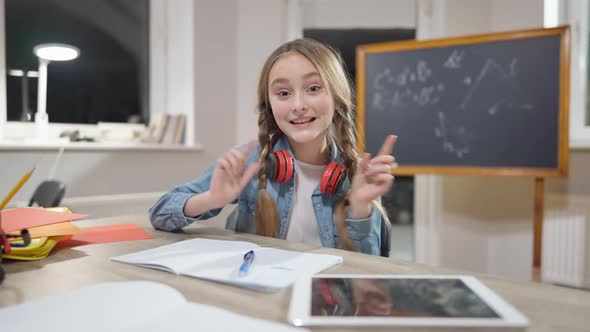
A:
(142, 306)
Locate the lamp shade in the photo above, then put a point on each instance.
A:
(56, 52)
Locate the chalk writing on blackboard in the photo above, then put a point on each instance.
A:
(455, 138)
(423, 71)
(492, 74)
(405, 87)
(454, 60)
(489, 87)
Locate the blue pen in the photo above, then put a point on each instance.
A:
(248, 259)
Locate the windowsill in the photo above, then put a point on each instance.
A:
(96, 146)
(580, 144)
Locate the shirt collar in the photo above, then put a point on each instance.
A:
(283, 144)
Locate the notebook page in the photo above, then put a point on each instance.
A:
(271, 270)
(183, 255)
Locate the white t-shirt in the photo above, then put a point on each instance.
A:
(303, 226)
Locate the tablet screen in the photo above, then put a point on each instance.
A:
(396, 297)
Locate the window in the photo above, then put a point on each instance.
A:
(165, 73)
(108, 82)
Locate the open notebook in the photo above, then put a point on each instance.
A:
(137, 306)
(217, 260)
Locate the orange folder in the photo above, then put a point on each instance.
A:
(60, 228)
(19, 218)
(105, 234)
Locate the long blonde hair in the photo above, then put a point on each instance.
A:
(329, 64)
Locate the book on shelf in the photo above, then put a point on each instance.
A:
(168, 134)
(175, 129)
(155, 128)
(180, 129)
(165, 128)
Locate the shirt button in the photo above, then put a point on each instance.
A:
(317, 206)
(291, 188)
(284, 219)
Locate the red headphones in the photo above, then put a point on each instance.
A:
(327, 288)
(282, 166)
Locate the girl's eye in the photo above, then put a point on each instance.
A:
(283, 93)
(314, 88)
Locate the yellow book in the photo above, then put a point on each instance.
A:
(38, 249)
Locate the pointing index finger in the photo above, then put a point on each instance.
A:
(387, 147)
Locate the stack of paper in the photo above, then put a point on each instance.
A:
(125, 306)
(45, 226)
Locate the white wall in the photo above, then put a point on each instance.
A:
(216, 76)
(357, 14)
(88, 173)
(514, 15)
(483, 16)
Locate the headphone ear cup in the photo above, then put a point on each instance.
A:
(281, 166)
(331, 178)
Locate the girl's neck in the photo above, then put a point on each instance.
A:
(315, 153)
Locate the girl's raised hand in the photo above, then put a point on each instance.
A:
(372, 179)
(229, 178)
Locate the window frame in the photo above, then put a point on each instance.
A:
(171, 90)
(576, 14)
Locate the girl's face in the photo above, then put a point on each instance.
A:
(299, 100)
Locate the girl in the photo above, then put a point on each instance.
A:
(310, 187)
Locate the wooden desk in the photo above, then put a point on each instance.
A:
(549, 308)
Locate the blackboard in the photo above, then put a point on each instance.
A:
(487, 104)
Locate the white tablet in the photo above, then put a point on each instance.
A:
(403, 300)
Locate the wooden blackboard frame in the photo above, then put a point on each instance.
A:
(563, 139)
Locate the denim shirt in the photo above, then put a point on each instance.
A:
(167, 213)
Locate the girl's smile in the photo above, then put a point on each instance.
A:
(302, 123)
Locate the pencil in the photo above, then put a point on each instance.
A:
(16, 188)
